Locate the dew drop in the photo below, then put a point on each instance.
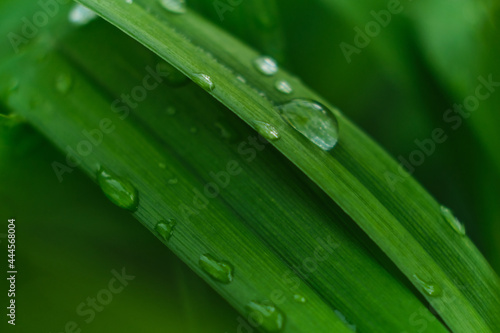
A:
(313, 120)
(270, 318)
(129, 1)
(64, 83)
(219, 270)
(284, 87)
(428, 287)
(81, 15)
(266, 65)
(453, 221)
(172, 76)
(299, 298)
(344, 320)
(118, 190)
(13, 85)
(204, 81)
(174, 6)
(241, 79)
(267, 131)
(165, 229)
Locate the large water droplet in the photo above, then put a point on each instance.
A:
(452, 220)
(165, 229)
(172, 75)
(219, 270)
(284, 87)
(269, 317)
(267, 131)
(266, 65)
(313, 120)
(428, 287)
(204, 81)
(64, 83)
(344, 320)
(174, 6)
(118, 190)
(81, 15)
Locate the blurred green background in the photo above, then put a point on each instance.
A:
(429, 57)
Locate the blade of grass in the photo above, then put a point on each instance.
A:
(406, 223)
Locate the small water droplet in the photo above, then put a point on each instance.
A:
(174, 6)
(284, 87)
(129, 1)
(171, 75)
(266, 65)
(13, 85)
(219, 270)
(165, 229)
(81, 15)
(64, 83)
(241, 79)
(313, 120)
(118, 190)
(452, 220)
(171, 111)
(267, 131)
(344, 320)
(204, 81)
(428, 287)
(269, 317)
(173, 181)
(299, 298)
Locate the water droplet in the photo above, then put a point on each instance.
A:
(165, 229)
(452, 220)
(64, 83)
(428, 287)
(174, 6)
(171, 75)
(129, 1)
(284, 87)
(269, 317)
(268, 131)
(204, 81)
(173, 181)
(241, 79)
(313, 120)
(118, 190)
(266, 65)
(299, 298)
(344, 320)
(81, 15)
(219, 270)
(171, 111)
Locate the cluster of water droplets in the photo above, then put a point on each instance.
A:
(81, 15)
